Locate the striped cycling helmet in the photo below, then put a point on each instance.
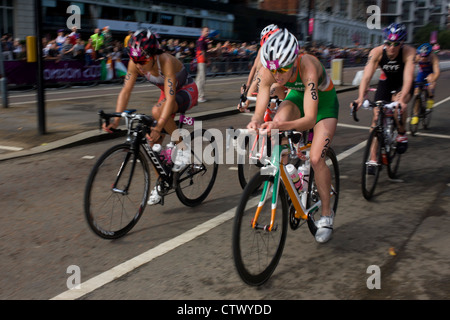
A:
(280, 50)
(143, 44)
(395, 32)
(267, 32)
(424, 50)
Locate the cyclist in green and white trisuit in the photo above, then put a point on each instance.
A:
(311, 102)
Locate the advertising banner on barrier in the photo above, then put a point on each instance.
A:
(24, 73)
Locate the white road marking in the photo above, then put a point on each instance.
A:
(11, 148)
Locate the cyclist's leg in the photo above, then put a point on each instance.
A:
(430, 87)
(404, 109)
(324, 132)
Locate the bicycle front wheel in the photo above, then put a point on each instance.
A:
(116, 192)
(371, 164)
(256, 250)
(247, 167)
(194, 183)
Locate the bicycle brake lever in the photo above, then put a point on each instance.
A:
(353, 112)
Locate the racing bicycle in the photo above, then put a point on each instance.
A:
(381, 148)
(247, 168)
(420, 109)
(270, 202)
(118, 186)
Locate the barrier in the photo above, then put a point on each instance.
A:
(64, 71)
(337, 71)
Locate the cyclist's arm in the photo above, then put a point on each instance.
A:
(124, 95)
(266, 80)
(369, 70)
(408, 73)
(310, 76)
(436, 69)
(253, 71)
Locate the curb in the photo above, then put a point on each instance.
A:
(94, 136)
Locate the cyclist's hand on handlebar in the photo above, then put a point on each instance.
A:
(111, 127)
(243, 106)
(358, 103)
(267, 127)
(254, 125)
(155, 135)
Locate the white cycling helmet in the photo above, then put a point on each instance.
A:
(267, 32)
(270, 27)
(280, 50)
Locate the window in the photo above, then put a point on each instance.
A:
(6, 17)
(166, 19)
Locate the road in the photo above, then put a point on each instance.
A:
(185, 253)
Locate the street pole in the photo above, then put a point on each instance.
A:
(3, 81)
(40, 68)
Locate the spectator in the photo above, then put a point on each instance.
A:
(125, 42)
(202, 60)
(19, 52)
(7, 47)
(97, 40)
(107, 38)
(73, 36)
(89, 52)
(78, 50)
(67, 50)
(53, 51)
(60, 39)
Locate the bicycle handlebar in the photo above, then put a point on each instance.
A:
(129, 115)
(367, 104)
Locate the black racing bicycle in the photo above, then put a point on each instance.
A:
(420, 109)
(118, 186)
(381, 148)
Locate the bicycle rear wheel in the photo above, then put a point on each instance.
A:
(371, 165)
(194, 183)
(257, 251)
(393, 161)
(313, 194)
(116, 192)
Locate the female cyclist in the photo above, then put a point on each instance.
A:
(252, 84)
(311, 102)
(178, 90)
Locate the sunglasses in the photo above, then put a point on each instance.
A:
(392, 44)
(282, 69)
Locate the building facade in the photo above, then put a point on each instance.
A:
(337, 22)
(177, 18)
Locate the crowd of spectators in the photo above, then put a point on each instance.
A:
(12, 49)
(101, 44)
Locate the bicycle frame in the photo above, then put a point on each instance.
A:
(136, 136)
(278, 170)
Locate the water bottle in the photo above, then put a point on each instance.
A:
(303, 170)
(296, 179)
(167, 152)
(156, 148)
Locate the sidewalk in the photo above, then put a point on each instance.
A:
(70, 127)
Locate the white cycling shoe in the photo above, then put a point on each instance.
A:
(182, 159)
(155, 198)
(325, 228)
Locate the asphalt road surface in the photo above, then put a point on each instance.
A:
(180, 253)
